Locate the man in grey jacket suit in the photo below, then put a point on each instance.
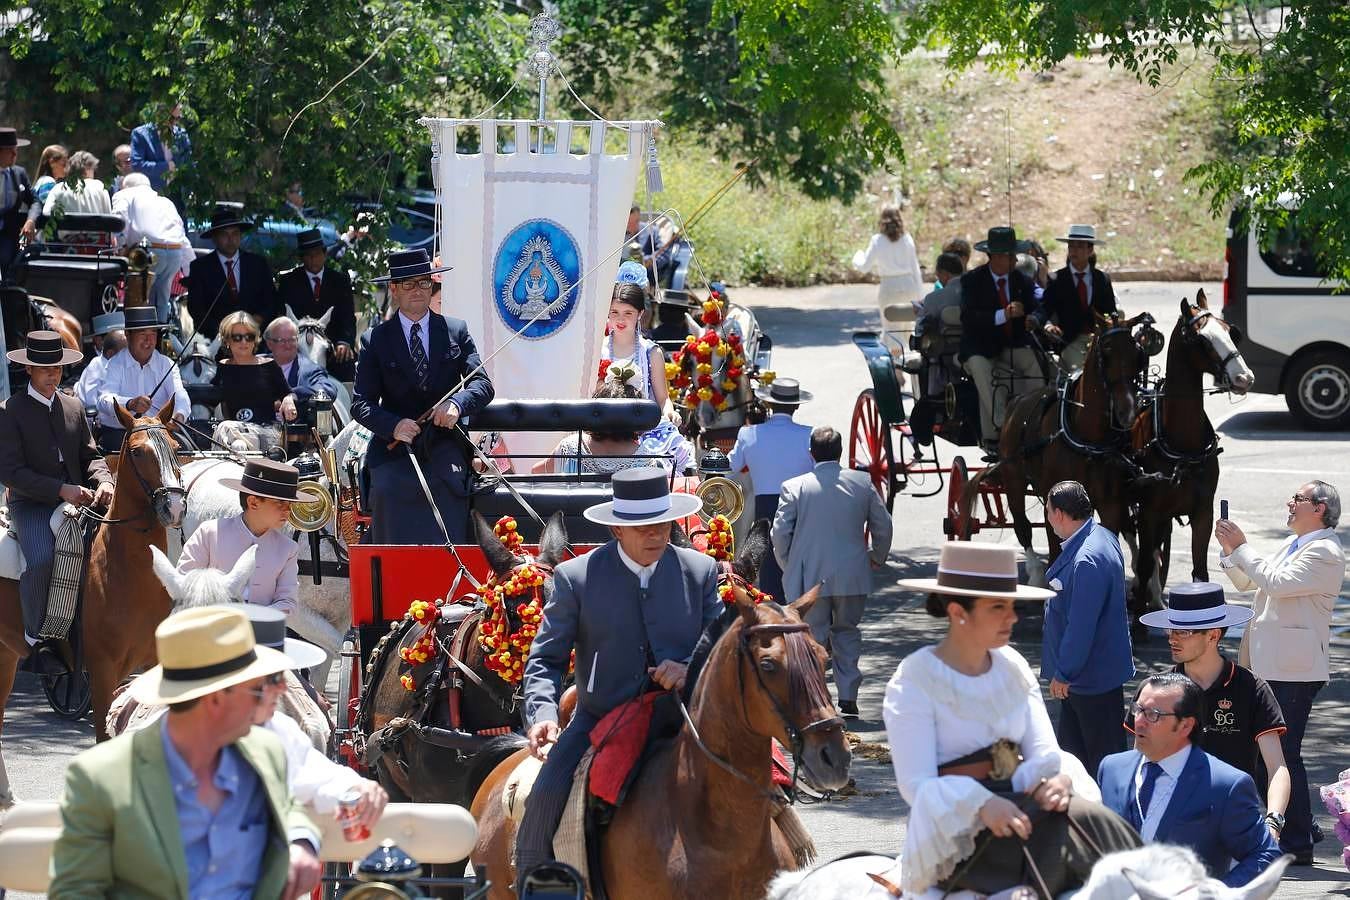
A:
(832, 529)
(633, 610)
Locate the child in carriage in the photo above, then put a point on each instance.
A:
(626, 345)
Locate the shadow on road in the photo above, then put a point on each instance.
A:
(815, 327)
(1273, 424)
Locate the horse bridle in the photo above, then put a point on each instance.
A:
(1194, 333)
(1142, 360)
(795, 735)
(158, 435)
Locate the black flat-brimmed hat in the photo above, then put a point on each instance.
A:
(406, 264)
(269, 630)
(109, 321)
(977, 570)
(309, 239)
(642, 497)
(1196, 606)
(275, 480)
(139, 318)
(45, 349)
(10, 138)
(1002, 239)
(784, 392)
(226, 217)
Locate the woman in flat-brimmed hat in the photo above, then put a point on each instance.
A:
(266, 491)
(974, 752)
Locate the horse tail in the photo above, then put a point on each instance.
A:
(488, 758)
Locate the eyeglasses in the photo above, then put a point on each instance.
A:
(422, 284)
(275, 680)
(1153, 714)
(284, 342)
(241, 338)
(1299, 498)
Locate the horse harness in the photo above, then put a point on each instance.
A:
(158, 436)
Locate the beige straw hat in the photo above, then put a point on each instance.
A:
(204, 650)
(977, 570)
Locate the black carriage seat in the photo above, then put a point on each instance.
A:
(546, 493)
(102, 223)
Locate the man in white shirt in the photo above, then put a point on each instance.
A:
(155, 220)
(1287, 641)
(772, 452)
(141, 379)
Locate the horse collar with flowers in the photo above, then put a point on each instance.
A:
(710, 367)
(719, 542)
(505, 644)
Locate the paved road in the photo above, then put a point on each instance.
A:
(1266, 457)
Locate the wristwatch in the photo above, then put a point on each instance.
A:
(1275, 820)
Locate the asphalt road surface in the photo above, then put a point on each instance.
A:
(1266, 457)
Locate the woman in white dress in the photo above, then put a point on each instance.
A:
(892, 256)
(994, 803)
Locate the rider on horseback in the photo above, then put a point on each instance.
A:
(633, 610)
(47, 456)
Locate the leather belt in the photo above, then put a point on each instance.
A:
(998, 761)
(980, 771)
(161, 245)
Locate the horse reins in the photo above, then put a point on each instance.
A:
(158, 436)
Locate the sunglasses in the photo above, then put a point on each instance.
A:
(241, 338)
(276, 679)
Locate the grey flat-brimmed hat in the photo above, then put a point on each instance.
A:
(783, 391)
(642, 496)
(45, 348)
(1085, 233)
(977, 570)
(109, 321)
(1196, 606)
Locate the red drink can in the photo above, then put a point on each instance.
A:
(348, 804)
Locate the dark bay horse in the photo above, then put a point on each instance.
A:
(1173, 438)
(123, 602)
(697, 821)
(1080, 436)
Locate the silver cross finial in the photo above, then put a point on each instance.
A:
(544, 30)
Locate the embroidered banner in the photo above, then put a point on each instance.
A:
(533, 238)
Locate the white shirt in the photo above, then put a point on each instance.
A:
(218, 544)
(125, 378)
(1163, 787)
(314, 779)
(1001, 315)
(233, 262)
(286, 369)
(148, 216)
(890, 259)
(91, 198)
(643, 573)
(773, 452)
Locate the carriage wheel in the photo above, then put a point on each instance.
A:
(69, 695)
(958, 524)
(869, 447)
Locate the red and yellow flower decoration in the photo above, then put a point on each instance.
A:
(505, 646)
(423, 649)
(719, 542)
(726, 591)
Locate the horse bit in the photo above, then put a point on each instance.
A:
(158, 435)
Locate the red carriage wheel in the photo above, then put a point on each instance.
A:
(869, 446)
(958, 524)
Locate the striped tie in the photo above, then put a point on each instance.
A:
(419, 355)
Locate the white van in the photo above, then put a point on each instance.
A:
(1296, 328)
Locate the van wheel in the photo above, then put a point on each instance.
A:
(1318, 391)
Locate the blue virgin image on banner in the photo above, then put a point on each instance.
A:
(534, 278)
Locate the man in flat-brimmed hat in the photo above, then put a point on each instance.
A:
(47, 457)
(633, 610)
(109, 339)
(195, 805)
(230, 279)
(772, 452)
(415, 361)
(1074, 293)
(314, 289)
(16, 195)
(140, 379)
(996, 300)
(266, 491)
(1243, 721)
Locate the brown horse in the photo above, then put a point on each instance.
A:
(1173, 438)
(697, 821)
(122, 600)
(1080, 436)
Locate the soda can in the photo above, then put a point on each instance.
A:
(348, 804)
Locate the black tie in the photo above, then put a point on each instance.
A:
(293, 378)
(419, 355)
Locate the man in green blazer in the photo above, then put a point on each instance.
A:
(197, 804)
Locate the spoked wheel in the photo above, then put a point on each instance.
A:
(869, 446)
(958, 522)
(69, 695)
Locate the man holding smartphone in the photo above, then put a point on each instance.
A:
(1286, 643)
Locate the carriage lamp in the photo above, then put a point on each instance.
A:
(713, 462)
(322, 404)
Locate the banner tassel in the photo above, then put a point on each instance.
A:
(654, 183)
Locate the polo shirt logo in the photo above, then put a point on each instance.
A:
(1225, 704)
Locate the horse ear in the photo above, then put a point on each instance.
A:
(679, 537)
(1200, 299)
(166, 573)
(1185, 308)
(214, 347)
(693, 326)
(237, 578)
(1142, 888)
(166, 414)
(749, 612)
(326, 317)
(498, 557)
(553, 542)
(802, 605)
(290, 314)
(123, 416)
(754, 550)
(1264, 885)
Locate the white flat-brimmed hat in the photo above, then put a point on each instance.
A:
(1196, 606)
(977, 570)
(204, 650)
(642, 497)
(1086, 233)
(269, 630)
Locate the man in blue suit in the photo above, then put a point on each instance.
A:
(304, 376)
(633, 610)
(1087, 655)
(1176, 793)
(160, 148)
(415, 361)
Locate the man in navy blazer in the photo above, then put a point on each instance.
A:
(1176, 793)
(414, 361)
(230, 279)
(150, 156)
(633, 610)
(314, 289)
(304, 376)
(1087, 656)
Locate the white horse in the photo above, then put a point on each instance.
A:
(314, 346)
(1153, 872)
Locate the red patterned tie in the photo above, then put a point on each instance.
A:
(1003, 298)
(229, 277)
(1082, 293)
(318, 286)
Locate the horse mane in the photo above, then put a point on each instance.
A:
(704, 648)
(204, 587)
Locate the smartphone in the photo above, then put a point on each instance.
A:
(1223, 509)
